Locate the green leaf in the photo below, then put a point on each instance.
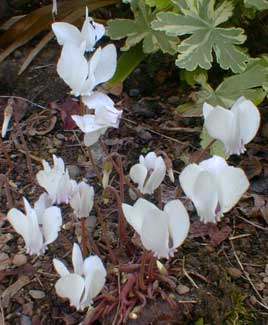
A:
(139, 29)
(257, 4)
(159, 4)
(217, 147)
(201, 19)
(127, 62)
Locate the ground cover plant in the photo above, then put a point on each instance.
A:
(111, 211)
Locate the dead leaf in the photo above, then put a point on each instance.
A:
(216, 235)
(66, 109)
(13, 289)
(251, 166)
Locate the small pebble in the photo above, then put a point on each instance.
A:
(262, 274)
(182, 289)
(253, 300)
(260, 286)
(4, 261)
(60, 136)
(234, 272)
(134, 92)
(265, 280)
(19, 260)
(37, 294)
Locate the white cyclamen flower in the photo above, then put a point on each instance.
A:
(91, 32)
(37, 230)
(83, 76)
(82, 200)
(160, 231)
(106, 115)
(56, 181)
(213, 186)
(235, 127)
(85, 283)
(149, 173)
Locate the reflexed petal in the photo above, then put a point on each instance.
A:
(188, 178)
(97, 99)
(71, 286)
(154, 232)
(93, 137)
(60, 268)
(86, 123)
(51, 222)
(138, 212)
(77, 259)
(72, 67)
(249, 119)
(66, 32)
(106, 65)
(109, 116)
(88, 33)
(156, 177)
(41, 205)
(82, 200)
(232, 184)
(149, 160)
(178, 222)
(205, 197)
(214, 165)
(138, 175)
(99, 30)
(95, 279)
(207, 109)
(219, 124)
(20, 223)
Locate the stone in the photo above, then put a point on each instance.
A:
(234, 272)
(37, 294)
(182, 289)
(74, 171)
(19, 260)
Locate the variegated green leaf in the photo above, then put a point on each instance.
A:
(201, 19)
(139, 29)
(257, 4)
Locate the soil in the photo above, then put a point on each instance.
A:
(218, 276)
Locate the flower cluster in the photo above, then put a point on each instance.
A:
(83, 75)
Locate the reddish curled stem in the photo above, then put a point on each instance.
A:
(121, 219)
(84, 236)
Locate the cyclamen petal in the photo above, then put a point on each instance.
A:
(82, 200)
(160, 231)
(234, 128)
(213, 186)
(87, 281)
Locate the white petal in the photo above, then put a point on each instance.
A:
(188, 178)
(178, 222)
(214, 165)
(138, 174)
(72, 67)
(77, 259)
(205, 197)
(154, 232)
(51, 222)
(249, 119)
(207, 109)
(86, 123)
(82, 200)
(71, 286)
(20, 223)
(149, 160)
(93, 137)
(66, 32)
(95, 279)
(136, 214)
(219, 124)
(60, 268)
(156, 177)
(97, 99)
(233, 183)
(43, 202)
(99, 30)
(106, 66)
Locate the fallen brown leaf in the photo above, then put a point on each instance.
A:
(13, 289)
